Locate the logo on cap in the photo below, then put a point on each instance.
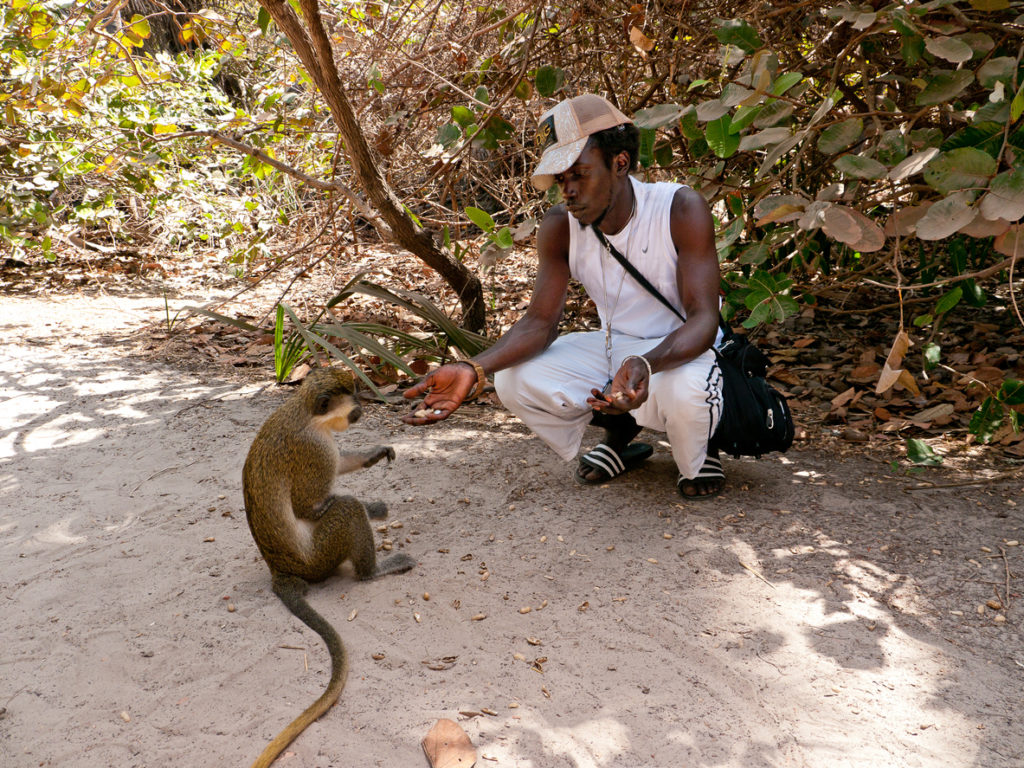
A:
(545, 134)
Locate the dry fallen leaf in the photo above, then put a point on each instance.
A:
(448, 746)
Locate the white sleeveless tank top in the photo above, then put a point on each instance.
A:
(646, 241)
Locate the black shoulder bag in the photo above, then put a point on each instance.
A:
(756, 418)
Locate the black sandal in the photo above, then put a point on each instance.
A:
(609, 463)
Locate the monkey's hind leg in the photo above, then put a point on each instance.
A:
(292, 591)
(343, 527)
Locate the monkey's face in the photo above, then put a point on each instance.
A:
(330, 393)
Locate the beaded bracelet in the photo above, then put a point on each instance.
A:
(642, 359)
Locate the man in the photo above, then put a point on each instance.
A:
(646, 367)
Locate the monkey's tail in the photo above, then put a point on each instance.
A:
(292, 590)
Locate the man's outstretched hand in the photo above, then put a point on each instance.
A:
(444, 390)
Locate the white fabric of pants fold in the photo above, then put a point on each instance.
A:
(549, 394)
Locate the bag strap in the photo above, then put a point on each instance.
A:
(637, 275)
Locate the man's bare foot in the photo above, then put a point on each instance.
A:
(708, 482)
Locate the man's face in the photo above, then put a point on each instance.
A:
(587, 186)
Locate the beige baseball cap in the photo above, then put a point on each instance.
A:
(563, 132)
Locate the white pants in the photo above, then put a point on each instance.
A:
(549, 394)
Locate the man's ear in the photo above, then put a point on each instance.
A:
(622, 163)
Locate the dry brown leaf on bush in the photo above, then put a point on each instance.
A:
(640, 41)
(891, 371)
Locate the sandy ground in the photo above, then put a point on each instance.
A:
(815, 614)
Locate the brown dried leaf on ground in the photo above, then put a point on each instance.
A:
(447, 746)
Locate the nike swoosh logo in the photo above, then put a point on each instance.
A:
(644, 249)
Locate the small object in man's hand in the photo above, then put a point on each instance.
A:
(422, 414)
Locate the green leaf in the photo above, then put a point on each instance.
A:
(501, 128)
(765, 138)
(912, 49)
(723, 143)
(838, 137)
(448, 134)
(524, 90)
(660, 115)
(944, 87)
(986, 136)
(549, 80)
(464, 116)
(263, 20)
(699, 148)
(773, 113)
(892, 147)
(986, 420)
(860, 167)
(755, 253)
(503, 238)
(731, 233)
(946, 217)
(689, 126)
(919, 452)
(776, 153)
(951, 49)
(948, 301)
(646, 150)
(481, 95)
(1005, 198)
(744, 116)
(481, 218)
(997, 70)
(786, 81)
(663, 154)
(485, 138)
(1017, 105)
(739, 33)
(962, 168)
(1012, 392)
(973, 293)
(932, 354)
(902, 22)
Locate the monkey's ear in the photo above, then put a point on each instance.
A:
(321, 405)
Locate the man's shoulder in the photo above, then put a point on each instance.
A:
(553, 234)
(556, 219)
(665, 191)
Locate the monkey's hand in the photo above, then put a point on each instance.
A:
(381, 452)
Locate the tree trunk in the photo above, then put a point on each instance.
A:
(314, 50)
